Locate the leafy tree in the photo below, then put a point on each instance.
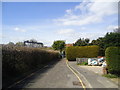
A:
(82, 42)
(59, 45)
(87, 40)
(100, 43)
(19, 44)
(112, 39)
(10, 44)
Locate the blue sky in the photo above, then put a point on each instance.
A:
(50, 21)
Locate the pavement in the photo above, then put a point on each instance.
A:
(95, 80)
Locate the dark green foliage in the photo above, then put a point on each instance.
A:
(59, 45)
(82, 42)
(112, 39)
(100, 43)
(19, 60)
(74, 52)
(113, 59)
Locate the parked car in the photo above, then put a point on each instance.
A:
(100, 61)
(92, 61)
(96, 61)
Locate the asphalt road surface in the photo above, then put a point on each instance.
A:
(95, 80)
(55, 75)
(58, 75)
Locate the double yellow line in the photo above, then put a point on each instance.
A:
(75, 72)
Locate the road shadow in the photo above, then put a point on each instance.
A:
(22, 83)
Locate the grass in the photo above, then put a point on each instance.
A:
(83, 63)
(111, 76)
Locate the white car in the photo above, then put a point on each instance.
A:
(92, 62)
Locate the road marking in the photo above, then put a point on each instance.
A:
(82, 76)
(71, 68)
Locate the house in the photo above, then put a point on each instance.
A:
(68, 45)
(33, 44)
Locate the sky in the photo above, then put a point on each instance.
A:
(50, 21)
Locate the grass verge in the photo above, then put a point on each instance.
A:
(111, 76)
(83, 63)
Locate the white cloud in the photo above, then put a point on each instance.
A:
(83, 28)
(69, 11)
(88, 12)
(112, 27)
(19, 29)
(65, 31)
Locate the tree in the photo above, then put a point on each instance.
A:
(10, 44)
(87, 40)
(112, 39)
(82, 42)
(100, 43)
(19, 44)
(59, 45)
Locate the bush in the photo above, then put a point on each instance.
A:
(19, 60)
(113, 59)
(74, 52)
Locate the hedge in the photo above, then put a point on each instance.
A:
(19, 60)
(74, 52)
(113, 59)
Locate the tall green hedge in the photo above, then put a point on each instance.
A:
(113, 59)
(74, 52)
(17, 61)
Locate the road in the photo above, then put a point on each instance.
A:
(55, 75)
(95, 80)
(58, 75)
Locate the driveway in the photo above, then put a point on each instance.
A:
(95, 69)
(95, 80)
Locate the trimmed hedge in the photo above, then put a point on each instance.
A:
(17, 61)
(113, 59)
(74, 52)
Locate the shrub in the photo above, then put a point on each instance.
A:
(74, 52)
(17, 61)
(113, 59)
